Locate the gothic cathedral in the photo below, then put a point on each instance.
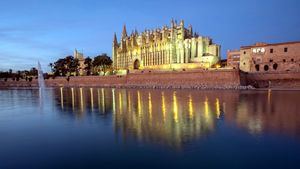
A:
(166, 48)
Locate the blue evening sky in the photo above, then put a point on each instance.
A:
(45, 30)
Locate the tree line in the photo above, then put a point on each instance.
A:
(70, 66)
(28, 75)
(67, 66)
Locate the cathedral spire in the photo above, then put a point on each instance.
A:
(115, 39)
(182, 23)
(124, 32)
(75, 53)
(172, 23)
(191, 30)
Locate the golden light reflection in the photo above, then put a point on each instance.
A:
(92, 98)
(113, 100)
(73, 98)
(144, 113)
(163, 100)
(218, 108)
(81, 99)
(150, 105)
(139, 104)
(61, 97)
(173, 118)
(206, 108)
(191, 111)
(175, 107)
(103, 100)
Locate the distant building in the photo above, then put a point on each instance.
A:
(174, 47)
(263, 57)
(233, 59)
(81, 59)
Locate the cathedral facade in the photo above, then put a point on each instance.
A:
(166, 48)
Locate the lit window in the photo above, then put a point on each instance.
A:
(259, 50)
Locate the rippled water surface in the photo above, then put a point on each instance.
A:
(118, 128)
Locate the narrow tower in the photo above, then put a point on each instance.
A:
(124, 33)
(124, 38)
(114, 51)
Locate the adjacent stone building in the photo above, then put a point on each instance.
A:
(233, 59)
(174, 47)
(263, 57)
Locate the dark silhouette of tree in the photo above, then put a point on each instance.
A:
(60, 68)
(10, 74)
(33, 72)
(19, 74)
(66, 66)
(4, 75)
(72, 65)
(88, 65)
(102, 63)
(51, 66)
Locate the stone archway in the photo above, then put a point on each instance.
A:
(136, 64)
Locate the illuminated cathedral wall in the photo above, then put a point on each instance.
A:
(164, 48)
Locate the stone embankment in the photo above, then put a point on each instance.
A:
(274, 80)
(196, 79)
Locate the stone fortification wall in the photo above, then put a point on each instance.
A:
(206, 79)
(287, 80)
(199, 79)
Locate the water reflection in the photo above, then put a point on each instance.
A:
(175, 117)
(270, 111)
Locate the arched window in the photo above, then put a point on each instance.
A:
(266, 67)
(275, 66)
(257, 67)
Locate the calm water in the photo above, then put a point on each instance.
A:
(112, 128)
